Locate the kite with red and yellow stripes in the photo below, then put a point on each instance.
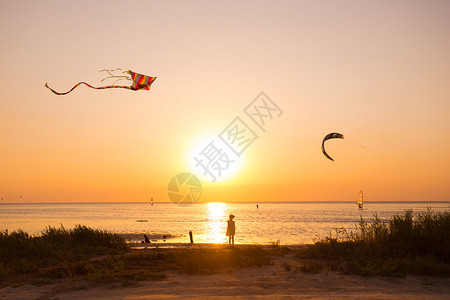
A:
(140, 82)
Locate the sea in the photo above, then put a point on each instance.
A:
(287, 223)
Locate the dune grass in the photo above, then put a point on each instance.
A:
(414, 243)
(56, 252)
(99, 257)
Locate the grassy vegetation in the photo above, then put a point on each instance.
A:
(216, 260)
(55, 253)
(408, 243)
(101, 257)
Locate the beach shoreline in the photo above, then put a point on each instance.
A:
(281, 278)
(159, 245)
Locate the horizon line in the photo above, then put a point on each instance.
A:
(237, 202)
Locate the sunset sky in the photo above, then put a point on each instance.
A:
(376, 71)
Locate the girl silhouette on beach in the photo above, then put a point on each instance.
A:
(231, 229)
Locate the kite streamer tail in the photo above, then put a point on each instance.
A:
(77, 85)
(112, 70)
(92, 87)
(118, 77)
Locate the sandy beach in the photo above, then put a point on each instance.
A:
(282, 278)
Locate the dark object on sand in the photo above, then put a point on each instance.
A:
(146, 240)
(190, 236)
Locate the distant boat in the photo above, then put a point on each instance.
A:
(360, 200)
(151, 201)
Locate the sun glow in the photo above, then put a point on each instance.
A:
(212, 160)
(216, 224)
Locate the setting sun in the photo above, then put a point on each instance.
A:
(211, 160)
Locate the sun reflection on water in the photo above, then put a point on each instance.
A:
(216, 224)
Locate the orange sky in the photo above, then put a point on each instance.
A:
(378, 72)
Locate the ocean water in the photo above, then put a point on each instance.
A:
(288, 223)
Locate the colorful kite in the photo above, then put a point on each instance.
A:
(333, 135)
(140, 82)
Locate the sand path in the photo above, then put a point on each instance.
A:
(274, 281)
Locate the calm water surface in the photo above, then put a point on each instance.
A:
(290, 223)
